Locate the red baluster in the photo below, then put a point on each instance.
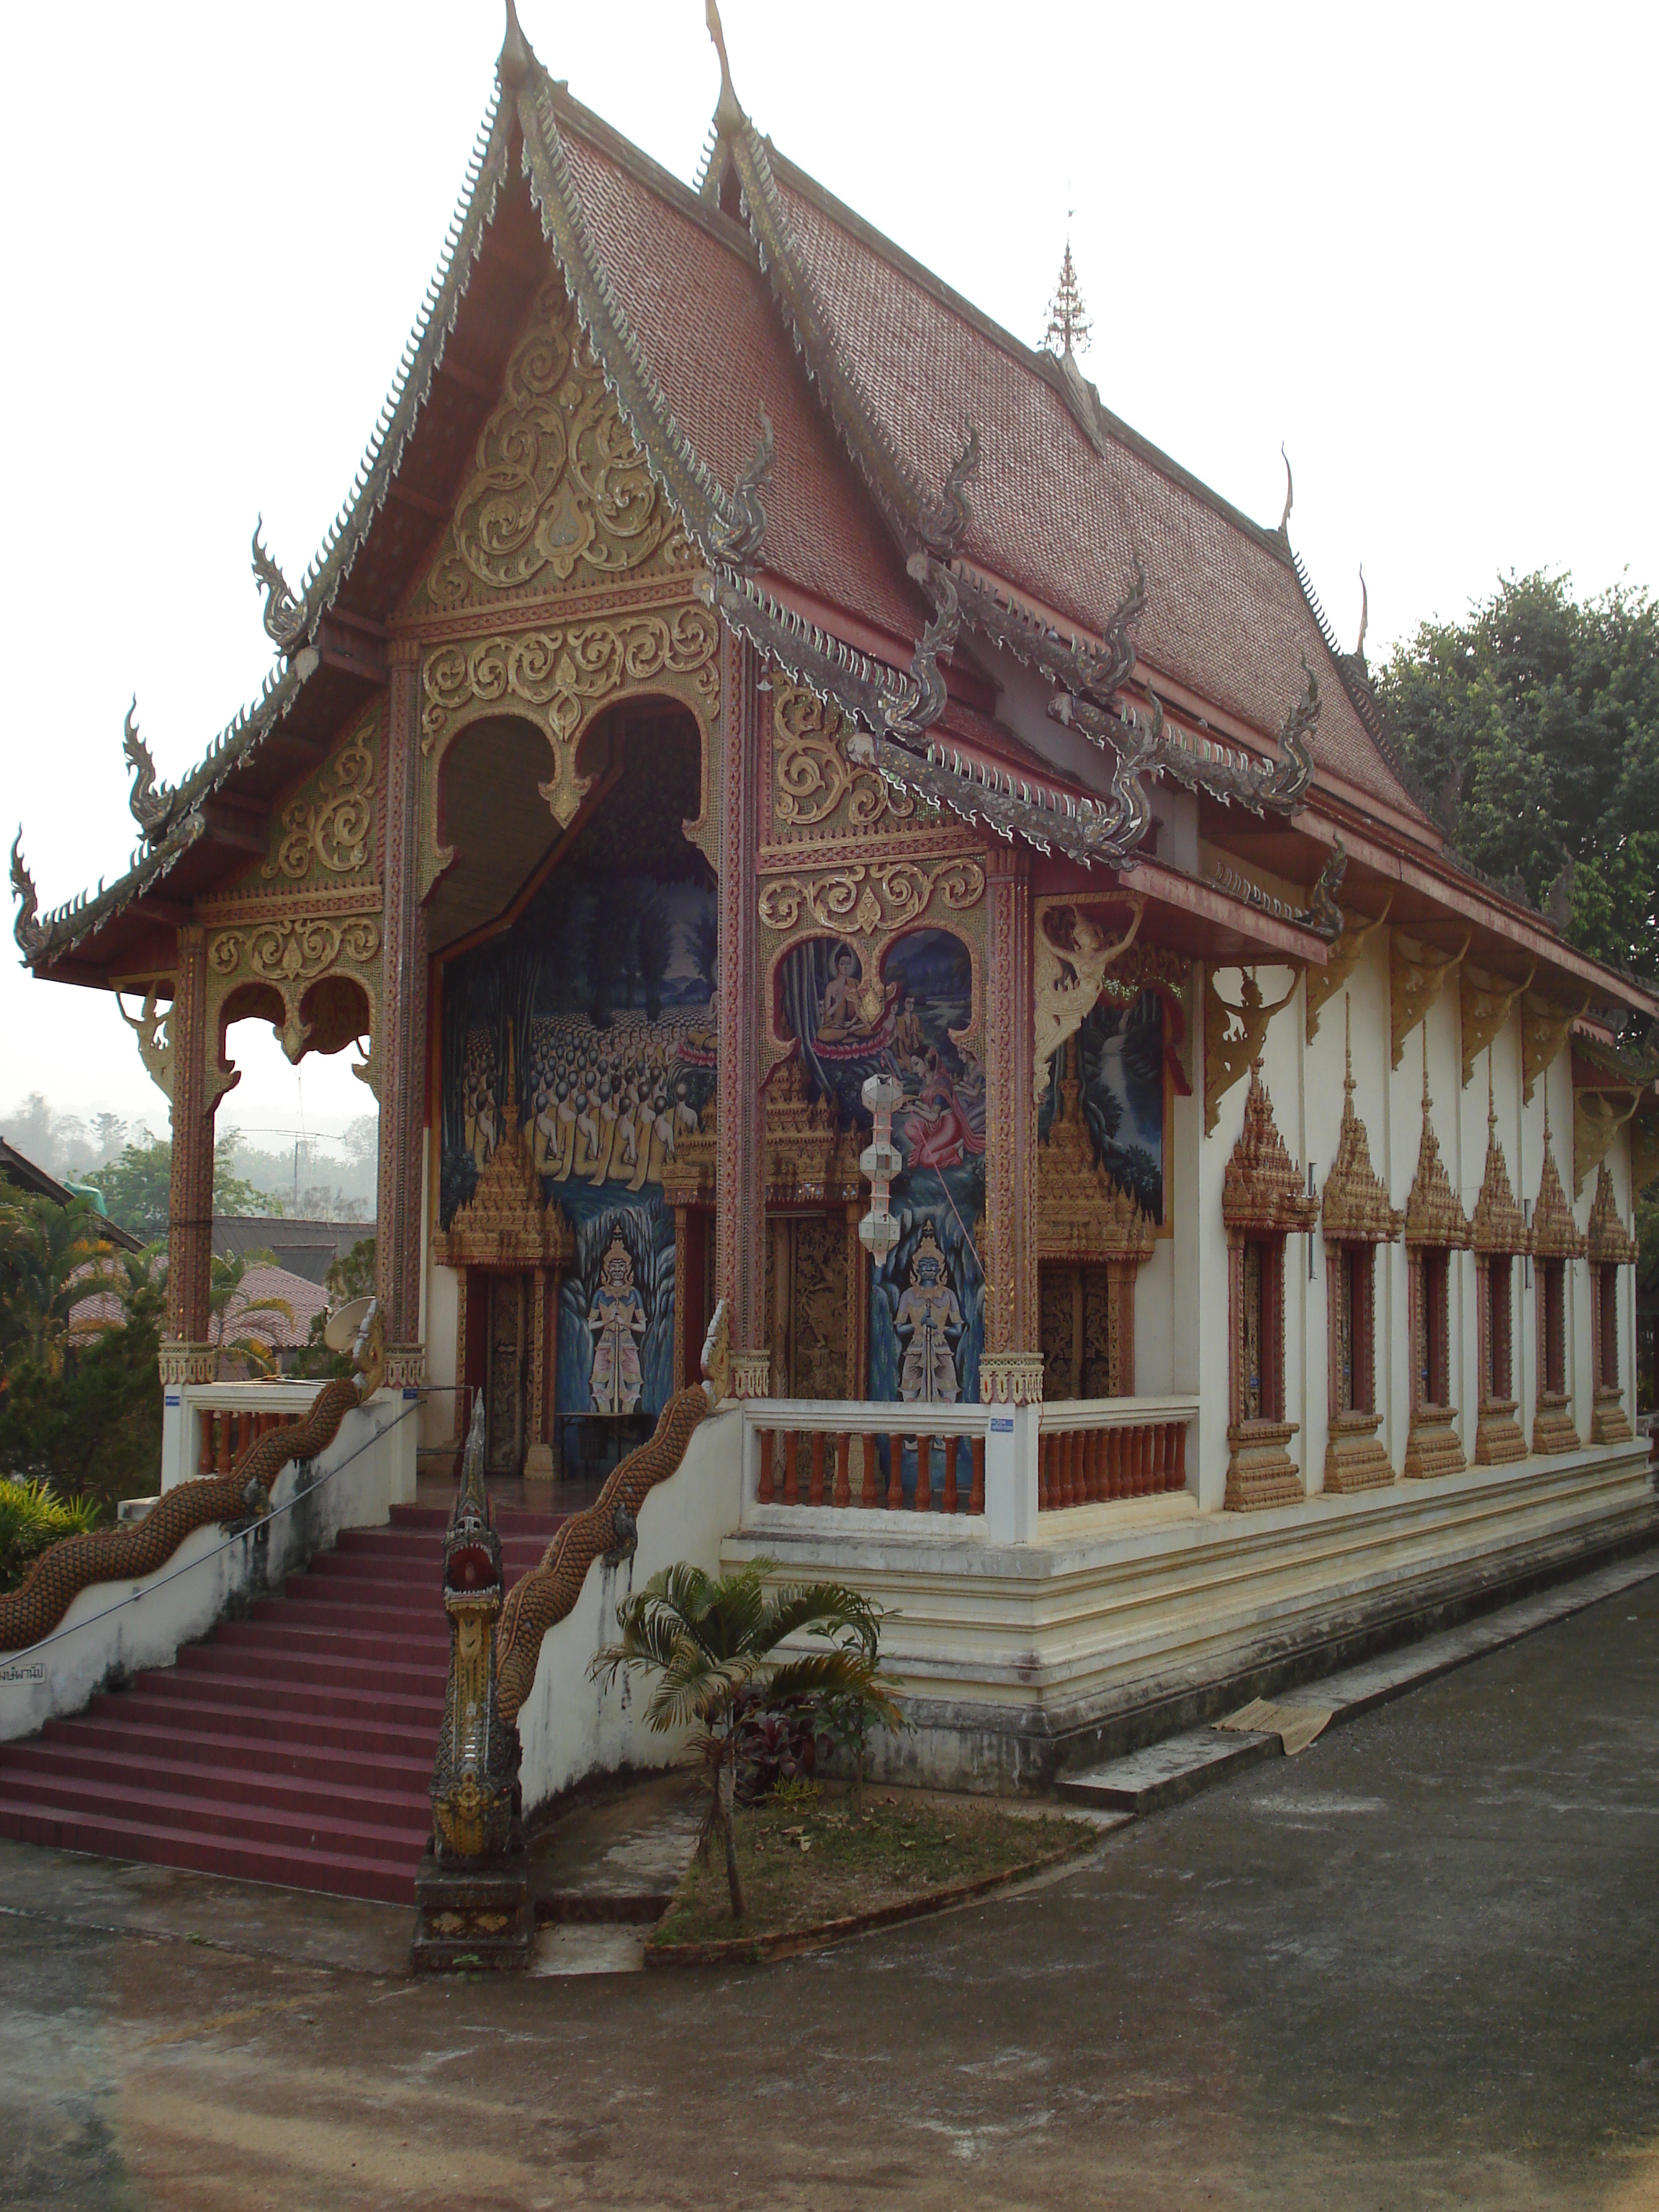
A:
(843, 1490)
(764, 1495)
(976, 1495)
(895, 1472)
(791, 1468)
(868, 1495)
(948, 1499)
(1179, 1479)
(924, 1474)
(815, 1479)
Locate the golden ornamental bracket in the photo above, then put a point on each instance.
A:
(1595, 1122)
(1070, 959)
(814, 779)
(153, 1029)
(1545, 1028)
(1485, 1002)
(1324, 983)
(1414, 984)
(1227, 1057)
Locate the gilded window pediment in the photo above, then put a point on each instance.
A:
(1610, 1244)
(1434, 1213)
(1263, 1188)
(1500, 1226)
(1554, 1236)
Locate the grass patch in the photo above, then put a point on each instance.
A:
(804, 1860)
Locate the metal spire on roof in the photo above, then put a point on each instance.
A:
(516, 58)
(1365, 614)
(1068, 318)
(728, 113)
(1289, 495)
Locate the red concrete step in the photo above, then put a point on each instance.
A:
(386, 1875)
(377, 1792)
(413, 1735)
(385, 1825)
(365, 1703)
(405, 1757)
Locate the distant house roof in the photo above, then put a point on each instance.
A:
(23, 1174)
(307, 1248)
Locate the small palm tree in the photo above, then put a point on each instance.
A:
(709, 1639)
(229, 1304)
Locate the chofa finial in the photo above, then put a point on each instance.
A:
(729, 111)
(1289, 495)
(1364, 614)
(26, 928)
(285, 616)
(516, 59)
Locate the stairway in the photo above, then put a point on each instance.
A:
(295, 1745)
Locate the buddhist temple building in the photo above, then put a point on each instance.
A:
(740, 672)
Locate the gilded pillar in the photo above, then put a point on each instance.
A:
(1011, 1367)
(739, 1188)
(402, 1048)
(190, 1200)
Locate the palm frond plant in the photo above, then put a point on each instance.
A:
(231, 1304)
(711, 1642)
(31, 1520)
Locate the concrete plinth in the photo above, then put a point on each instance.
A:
(472, 1917)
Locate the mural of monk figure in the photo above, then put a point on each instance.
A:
(927, 1310)
(852, 1012)
(616, 1320)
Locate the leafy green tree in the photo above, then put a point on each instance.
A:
(89, 1422)
(1536, 723)
(46, 1253)
(137, 1186)
(707, 1640)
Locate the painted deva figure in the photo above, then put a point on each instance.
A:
(616, 1319)
(928, 1311)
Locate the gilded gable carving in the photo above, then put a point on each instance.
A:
(1610, 1244)
(328, 829)
(559, 494)
(819, 788)
(1262, 1188)
(1434, 1213)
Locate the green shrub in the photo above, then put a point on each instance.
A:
(31, 1519)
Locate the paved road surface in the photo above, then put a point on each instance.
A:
(1417, 1967)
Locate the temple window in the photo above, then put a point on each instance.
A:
(1556, 1242)
(1436, 1226)
(1356, 1217)
(1611, 1247)
(1093, 1238)
(1263, 1202)
(1500, 1233)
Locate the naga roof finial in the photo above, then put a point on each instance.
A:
(285, 616)
(1289, 495)
(1364, 614)
(26, 928)
(516, 58)
(148, 803)
(728, 113)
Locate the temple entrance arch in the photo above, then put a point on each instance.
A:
(577, 1076)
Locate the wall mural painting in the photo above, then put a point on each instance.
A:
(597, 1010)
(1121, 1066)
(927, 1300)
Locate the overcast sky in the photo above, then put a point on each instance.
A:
(1415, 244)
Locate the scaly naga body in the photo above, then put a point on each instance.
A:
(476, 1775)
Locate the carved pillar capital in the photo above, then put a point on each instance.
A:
(180, 1364)
(751, 1374)
(1011, 1378)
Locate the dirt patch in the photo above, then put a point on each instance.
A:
(807, 1863)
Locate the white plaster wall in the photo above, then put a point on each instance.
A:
(1442, 1029)
(1155, 1321)
(443, 1302)
(116, 1627)
(571, 1727)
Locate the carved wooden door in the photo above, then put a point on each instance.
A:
(505, 1385)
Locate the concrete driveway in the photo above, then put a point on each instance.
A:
(1418, 1966)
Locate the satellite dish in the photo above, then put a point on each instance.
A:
(340, 1330)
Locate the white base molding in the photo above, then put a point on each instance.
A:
(1432, 1446)
(1260, 1473)
(1354, 1460)
(1122, 1623)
